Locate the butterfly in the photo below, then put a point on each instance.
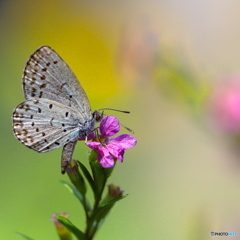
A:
(56, 112)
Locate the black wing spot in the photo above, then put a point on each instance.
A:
(55, 62)
(39, 110)
(27, 108)
(44, 69)
(63, 124)
(43, 134)
(21, 106)
(43, 85)
(43, 77)
(30, 139)
(51, 121)
(34, 71)
(25, 132)
(18, 124)
(50, 106)
(37, 129)
(33, 124)
(64, 130)
(66, 114)
(57, 143)
(48, 64)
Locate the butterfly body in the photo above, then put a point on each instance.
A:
(56, 112)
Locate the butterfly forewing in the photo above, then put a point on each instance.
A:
(44, 125)
(46, 75)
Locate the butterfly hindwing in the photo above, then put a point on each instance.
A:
(44, 125)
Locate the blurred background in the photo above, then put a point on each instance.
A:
(176, 66)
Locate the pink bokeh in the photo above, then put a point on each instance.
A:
(225, 105)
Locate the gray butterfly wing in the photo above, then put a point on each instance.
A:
(44, 125)
(46, 75)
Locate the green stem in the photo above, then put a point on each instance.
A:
(100, 179)
(92, 225)
(85, 206)
(78, 181)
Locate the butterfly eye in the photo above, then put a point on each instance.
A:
(97, 116)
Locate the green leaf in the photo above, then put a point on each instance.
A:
(105, 208)
(24, 236)
(74, 191)
(72, 228)
(114, 200)
(87, 175)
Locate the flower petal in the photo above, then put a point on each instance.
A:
(109, 126)
(93, 145)
(104, 158)
(116, 151)
(126, 141)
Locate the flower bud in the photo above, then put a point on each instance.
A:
(76, 177)
(114, 191)
(62, 231)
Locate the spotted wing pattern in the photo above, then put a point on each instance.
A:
(46, 75)
(44, 125)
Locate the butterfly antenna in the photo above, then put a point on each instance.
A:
(113, 110)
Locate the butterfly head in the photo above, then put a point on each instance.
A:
(97, 116)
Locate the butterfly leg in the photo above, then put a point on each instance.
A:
(67, 155)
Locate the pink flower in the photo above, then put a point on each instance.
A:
(110, 149)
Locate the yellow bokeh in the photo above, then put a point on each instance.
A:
(71, 33)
